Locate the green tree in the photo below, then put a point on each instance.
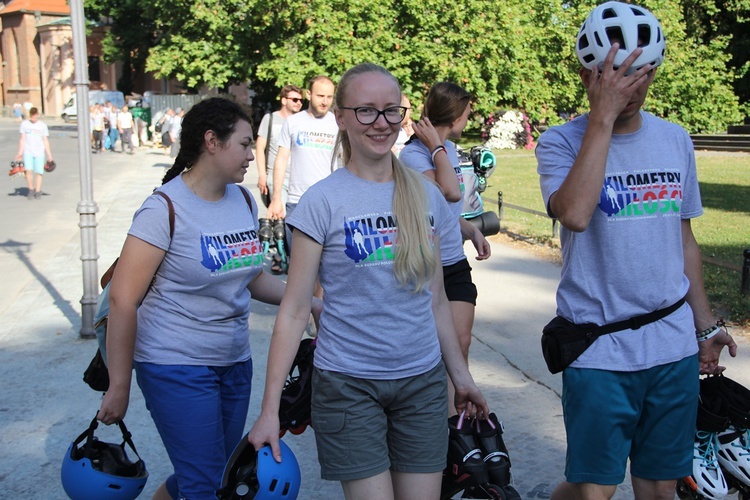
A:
(130, 36)
(706, 20)
(517, 54)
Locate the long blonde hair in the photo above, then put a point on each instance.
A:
(415, 261)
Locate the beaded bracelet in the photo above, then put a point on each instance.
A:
(437, 150)
(710, 332)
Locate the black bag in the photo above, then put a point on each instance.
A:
(563, 342)
(165, 139)
(96, 375)
(158, 126)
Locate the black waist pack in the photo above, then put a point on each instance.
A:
(563, 341)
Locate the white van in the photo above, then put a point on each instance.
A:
(70, 111)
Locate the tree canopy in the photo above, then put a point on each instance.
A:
(509, 55)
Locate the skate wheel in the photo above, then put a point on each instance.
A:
(511, 493)
(282, 432)
(487, 490)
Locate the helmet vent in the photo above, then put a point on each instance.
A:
(614, 34)
(644, 35)
(598, 40)
(637, 12)
(583, 42)
(608, 13)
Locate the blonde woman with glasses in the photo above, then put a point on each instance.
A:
(371, 232)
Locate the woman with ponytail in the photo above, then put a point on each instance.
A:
(371, 232)
(445, 114)
(180, 303)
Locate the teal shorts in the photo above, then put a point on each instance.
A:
(33, 163)
(647, 416)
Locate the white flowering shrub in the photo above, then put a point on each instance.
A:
(507, 130)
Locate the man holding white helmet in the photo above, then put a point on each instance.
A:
(623, 185)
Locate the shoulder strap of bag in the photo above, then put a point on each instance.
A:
(247, 199)
(107, 276)
(268, 136)
(170, 207)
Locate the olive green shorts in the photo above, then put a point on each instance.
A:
(364, 427)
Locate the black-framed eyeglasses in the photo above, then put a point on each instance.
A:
(367, 115)
(295, 100)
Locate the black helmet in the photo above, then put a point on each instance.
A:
(102, 471)
(296, 397)
(50, 166)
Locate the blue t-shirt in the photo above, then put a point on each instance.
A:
(372, 326)
(629, 260)
(417, 156)
(196, 312)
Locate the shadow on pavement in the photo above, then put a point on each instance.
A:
(20, 250)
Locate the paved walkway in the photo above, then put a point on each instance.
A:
(44, 404)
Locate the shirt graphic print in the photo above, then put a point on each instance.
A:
(229, 251)
(641, 194)
(371, 239)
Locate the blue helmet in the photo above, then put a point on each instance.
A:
(256, 475)
(102, 471)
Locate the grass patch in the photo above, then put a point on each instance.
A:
(723, 232)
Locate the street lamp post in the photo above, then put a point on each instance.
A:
(87, 207)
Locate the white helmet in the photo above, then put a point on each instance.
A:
(630, 26)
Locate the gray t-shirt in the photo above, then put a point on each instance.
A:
(417, 156)
(371, 326)
(629, 261)
(273, 141)
(310, 141)
(35, 134)
(196, 312)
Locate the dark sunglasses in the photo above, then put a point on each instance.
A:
(294, 99)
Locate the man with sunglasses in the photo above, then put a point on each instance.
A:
(306, 146)
(267, 145)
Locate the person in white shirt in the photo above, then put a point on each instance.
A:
(307, 138)
(266, 144)
(33, 147)
(125, 127)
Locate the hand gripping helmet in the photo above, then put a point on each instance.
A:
(102, 471)
(630, 26)
(50, 166)
(256, 475)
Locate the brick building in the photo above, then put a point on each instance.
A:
(36, 52)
